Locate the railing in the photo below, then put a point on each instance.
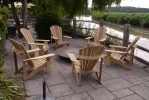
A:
(124, 39)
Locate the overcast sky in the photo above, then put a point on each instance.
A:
(133, 3)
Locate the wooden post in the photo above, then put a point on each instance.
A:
(101, 22)
(74, 27)
(126, 35)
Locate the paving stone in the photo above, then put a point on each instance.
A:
(79, 96)
(122, 93)
(134, 79)
(147, 84)
(104, 76)
(140, 72)
(132, 97)
(146, 77)
(55, 80)
(34, 87)
(55, 66)
(94, 82)
(141, 90)
(61, 90)
(67, 73)
(101, 94)
(116, 84)
(73, 84)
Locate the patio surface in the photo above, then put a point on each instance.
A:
(117, 83)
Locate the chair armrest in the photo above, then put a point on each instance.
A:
(102, 40)
(122, 47)
(73, 58)
(39, 44)
(33, 50)
(67, 37)
(54, 38)
(40, 57)
(42, 40)
(88, 38)
(120, 52)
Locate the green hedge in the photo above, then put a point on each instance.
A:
(135, 19)
(43, 23)
(3, 37)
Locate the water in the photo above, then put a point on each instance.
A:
(143, 42)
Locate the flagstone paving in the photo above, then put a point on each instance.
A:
(117, 83)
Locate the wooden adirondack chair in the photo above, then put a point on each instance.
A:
(56, 34)
(89, 56)
(99, 36)
(123, 58)
(35, 63)
(31, 41)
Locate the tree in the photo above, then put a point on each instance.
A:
(70, 8)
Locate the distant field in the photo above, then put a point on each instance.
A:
(135, 19)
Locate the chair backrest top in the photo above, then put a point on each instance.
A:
(131, 45)
(20, 47)
(89, 56)
(27, 35)
(56, 31)
(99, 34)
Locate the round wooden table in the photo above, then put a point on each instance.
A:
(62, 51)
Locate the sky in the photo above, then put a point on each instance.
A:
(136, 3)
(133, 3)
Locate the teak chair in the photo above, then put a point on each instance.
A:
(123, 58)
(31, 41)
(56, 34)
(89, 56)
(99, 36)
(35, 63)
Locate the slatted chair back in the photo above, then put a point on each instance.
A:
(99, 34)
(27, 35)
(20, 47)
(56, 31)
(89, 56)
(131, 46)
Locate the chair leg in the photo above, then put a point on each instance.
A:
(79, 79)
(108, 58)
(15, 62)
(48, 63)
(72, 67)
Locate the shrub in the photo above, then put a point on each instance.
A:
(5, 12)
(8, 90)
(43, 23)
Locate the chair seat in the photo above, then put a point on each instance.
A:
(45, 48)
(92, 43)
(116, 56)
(39, 62)
(63, 42)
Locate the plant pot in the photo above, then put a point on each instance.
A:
(11, 31)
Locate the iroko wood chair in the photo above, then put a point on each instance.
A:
(123, 58)
(89, 56)
(56, 34)
(31, 41)
(35, 63)
(99, 36)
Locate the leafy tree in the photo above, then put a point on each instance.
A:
(70, 8)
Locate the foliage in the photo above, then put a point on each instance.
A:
(135, 19)
(8, 91)
(127, 9)
(5, 12)
(43, 23)
(71, 8)
(2, 36)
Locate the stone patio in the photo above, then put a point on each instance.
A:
(117, 83)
